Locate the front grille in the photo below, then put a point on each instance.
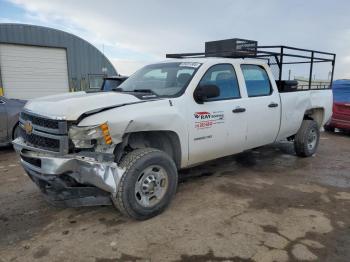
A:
(42, 121)
(41, 141)
(44, 133)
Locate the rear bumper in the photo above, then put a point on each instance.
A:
(71, 180)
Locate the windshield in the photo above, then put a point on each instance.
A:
(110, 84)
(164, 79)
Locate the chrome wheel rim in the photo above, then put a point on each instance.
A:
(312, 139)
(151, 186)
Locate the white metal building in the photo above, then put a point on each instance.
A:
(37, 61)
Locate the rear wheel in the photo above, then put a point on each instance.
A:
(148, 184)
(307, 139)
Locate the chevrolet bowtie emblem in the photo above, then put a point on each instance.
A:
(28, 127)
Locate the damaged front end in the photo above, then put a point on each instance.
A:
(67, 173)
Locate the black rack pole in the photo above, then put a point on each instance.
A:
(281, 65)
(295, 48)
(333, 64)
(311, 68)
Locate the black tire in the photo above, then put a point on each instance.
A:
(329, 128)
(302, 142)
(134, 164)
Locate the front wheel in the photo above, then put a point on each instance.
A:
(148, 184)
(307, 139)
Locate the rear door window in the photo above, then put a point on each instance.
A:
(257, 81)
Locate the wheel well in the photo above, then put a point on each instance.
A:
(13, 130)
(316, 114)
(167, 141)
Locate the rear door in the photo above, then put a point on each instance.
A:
(3, 121)
(215, 131)
(263, 106)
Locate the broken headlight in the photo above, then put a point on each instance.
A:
(89, 136)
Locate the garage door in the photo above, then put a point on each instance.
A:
(30, 72)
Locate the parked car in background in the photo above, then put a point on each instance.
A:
(112, 82)
(341, 106)
(9, 111)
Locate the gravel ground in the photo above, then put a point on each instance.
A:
(262, 205)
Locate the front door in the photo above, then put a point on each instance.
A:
(263, 106)
(215, 130)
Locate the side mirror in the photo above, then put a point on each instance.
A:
(204, 92)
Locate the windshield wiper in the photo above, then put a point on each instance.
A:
(118, 89)
(142, 91)
(148, 91)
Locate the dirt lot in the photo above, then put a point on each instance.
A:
(263, 205)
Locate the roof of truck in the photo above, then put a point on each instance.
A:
(216, 60)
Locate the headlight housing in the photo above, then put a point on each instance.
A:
(89, 136)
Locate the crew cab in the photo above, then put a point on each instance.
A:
(125, 147)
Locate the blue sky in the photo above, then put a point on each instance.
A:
(135, 32)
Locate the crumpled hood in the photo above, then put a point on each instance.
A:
(72, 105)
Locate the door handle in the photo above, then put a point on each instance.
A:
(238, 110)
(273, 104)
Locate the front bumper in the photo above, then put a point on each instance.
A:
(72, 180)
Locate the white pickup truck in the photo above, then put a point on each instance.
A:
(125, 147)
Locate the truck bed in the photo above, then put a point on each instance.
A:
(295, 104)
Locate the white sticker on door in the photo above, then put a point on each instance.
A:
(208, 119)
